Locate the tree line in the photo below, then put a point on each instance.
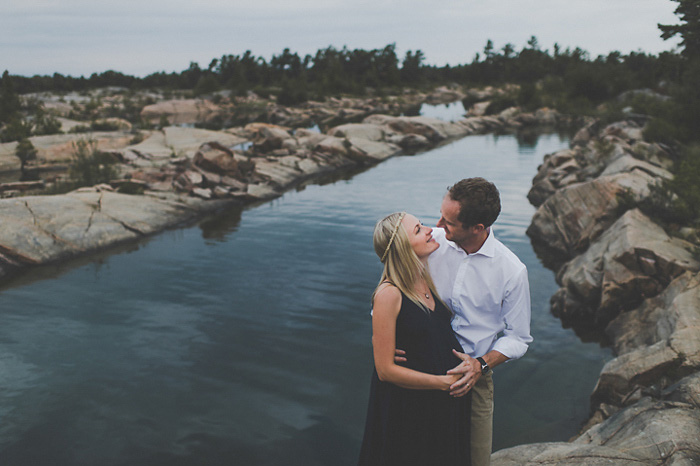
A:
(332, 71)
(569, 80)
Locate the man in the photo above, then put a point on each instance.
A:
(486, 287)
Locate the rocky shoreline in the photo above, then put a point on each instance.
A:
(619, 272)
(177, 174)
(623, 275)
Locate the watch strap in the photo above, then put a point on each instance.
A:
(484, 367)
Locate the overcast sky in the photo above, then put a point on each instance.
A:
(79, 37)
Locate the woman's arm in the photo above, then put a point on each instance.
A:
(387, 303)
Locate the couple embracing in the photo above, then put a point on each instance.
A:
(453, 303)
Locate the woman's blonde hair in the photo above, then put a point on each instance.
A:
(402, 267)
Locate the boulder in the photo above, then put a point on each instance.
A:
(627, 130)
(648, 432)
(332, 146)
(551, 174)
(634, 259)
(358, 131)
(687, 390)
(60, 148)
(261, 191)
(652, 153)
(370, 151)
(188, 180)
(547, 116)
(584, 135)
(562, 454)
(187, 141)
(181, 111)
(409, 142)
(433, 129)
(575, 215)
(444, 95)
(626, 163)
(308, 139)
(204, 193)
(233, 184)
(267, 137)
(664, 318)
(218, 159)
(472, 124)
(282, 172)
(624, 374)
(478, 109)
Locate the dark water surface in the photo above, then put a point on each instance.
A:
(245, 340)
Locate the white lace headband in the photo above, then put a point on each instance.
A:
(393, 235)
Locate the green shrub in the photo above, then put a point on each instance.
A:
(25, 152)
(661, 130)
(45, 123)
(91, 166)
(164, 122)
(103, 125)
(528, 97)
(685, 183)
(138, 138)
(77, 129)
(678, 200)
(16, 130)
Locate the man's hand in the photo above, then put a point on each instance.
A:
(470, 369)
(399, 356)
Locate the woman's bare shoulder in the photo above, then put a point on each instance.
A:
(387, 297)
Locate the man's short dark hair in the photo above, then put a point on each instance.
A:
(479, 201)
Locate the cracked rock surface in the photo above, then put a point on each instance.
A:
(626, 274)
(40, 229)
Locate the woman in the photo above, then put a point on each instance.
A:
(412, 419)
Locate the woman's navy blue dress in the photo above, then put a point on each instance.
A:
(407, 427)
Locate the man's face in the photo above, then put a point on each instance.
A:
(454, 231)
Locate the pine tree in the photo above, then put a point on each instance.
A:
(689, 29)
(9, 100)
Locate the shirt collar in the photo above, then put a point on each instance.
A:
(487, 249)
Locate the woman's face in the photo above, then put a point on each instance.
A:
(420, 237)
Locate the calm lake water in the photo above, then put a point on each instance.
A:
(245, 339)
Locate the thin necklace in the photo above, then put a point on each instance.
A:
(427, 296)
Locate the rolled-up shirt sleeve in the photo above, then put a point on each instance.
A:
(515, 312)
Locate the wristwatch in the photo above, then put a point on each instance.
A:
(485, 369)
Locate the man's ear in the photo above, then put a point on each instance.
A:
(479, 227)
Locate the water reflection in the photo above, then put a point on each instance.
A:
(218, 227)
(448, 112)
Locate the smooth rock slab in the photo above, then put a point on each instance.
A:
(358, 130)
(432, 128)
(180, 111)
(40, 229)
(647, 433)
(373, 151)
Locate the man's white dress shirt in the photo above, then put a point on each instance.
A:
(488, 292)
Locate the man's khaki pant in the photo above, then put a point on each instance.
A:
(482, 421)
